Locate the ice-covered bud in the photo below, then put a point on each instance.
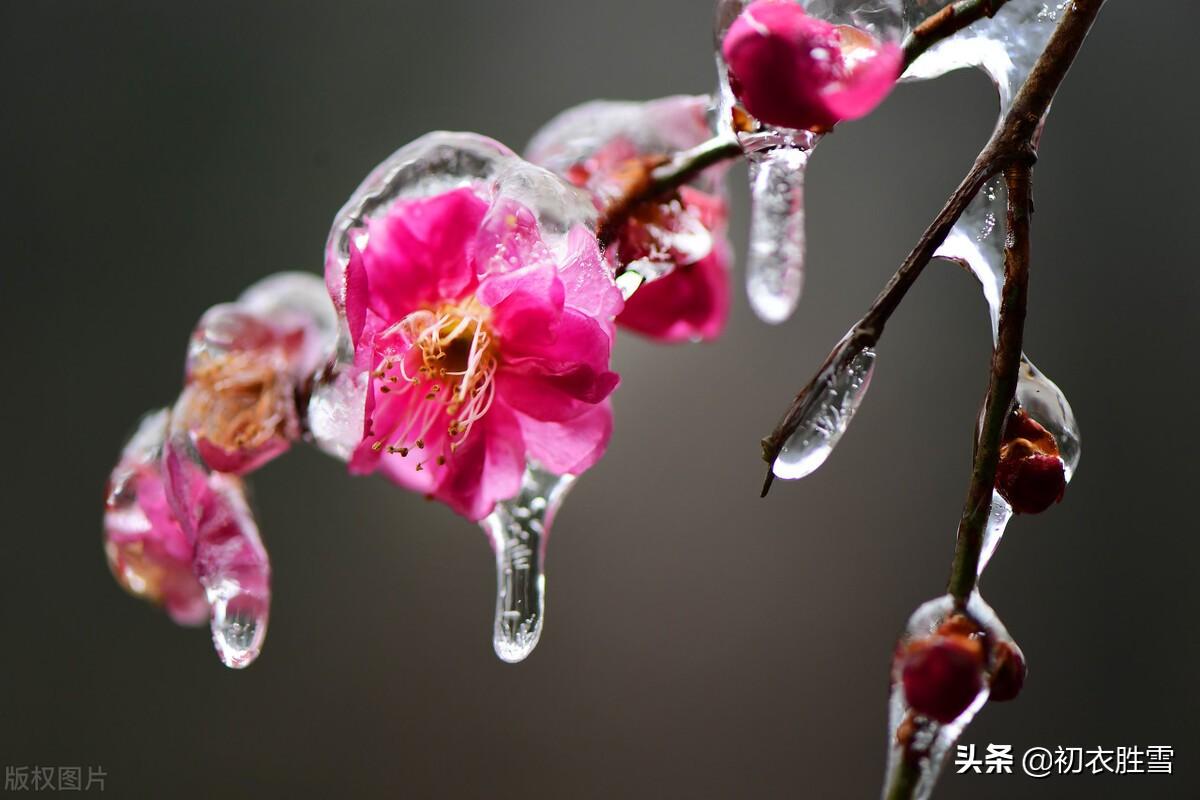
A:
(1008, 671)
(942, 674)
(795, 71)
(1031, 475)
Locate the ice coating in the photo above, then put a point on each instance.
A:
(229, 559)
(608, 148)
(148, 551)
(599, 136)
(828, 410)
(1005, 46)
(247, 362)
(518, 529)
(998, 519)
(665, 125)
(1048, 406)
(433, 164)
(778, 158)
(930, 741)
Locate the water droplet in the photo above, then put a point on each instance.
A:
(1048, 406)
(518, 529)
(827, 412)
(239, 623)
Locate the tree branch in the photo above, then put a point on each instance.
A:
(947, 22)
(1006, 360)
(1013, 143)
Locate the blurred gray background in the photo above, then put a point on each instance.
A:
(158, 157)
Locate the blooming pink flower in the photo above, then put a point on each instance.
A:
(795, 71)
(685, 232)
(483, 351)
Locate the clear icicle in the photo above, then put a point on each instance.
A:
(931, 741)
(997, 522)
(827, 412)
(775, 263)
(518, 529)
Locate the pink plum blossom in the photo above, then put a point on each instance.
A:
(484, 349)
(795, 71)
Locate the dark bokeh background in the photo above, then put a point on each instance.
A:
(158, 157)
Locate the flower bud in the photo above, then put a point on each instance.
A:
(795, 71)
(1030, 475)
(942, 675)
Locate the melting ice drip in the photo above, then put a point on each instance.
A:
(931, 740)
(518, 529)
(229, 560)
(778, 159)
(1006, 47)
(827, 412)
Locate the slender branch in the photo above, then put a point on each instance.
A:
(1006, 360)
(662, 180)
(1013, 143)
(947, 22)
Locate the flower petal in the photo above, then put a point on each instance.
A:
(569, 447)
(421, 252)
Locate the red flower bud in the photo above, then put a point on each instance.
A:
(942, 675)
(1008, 671)
(1031, 475)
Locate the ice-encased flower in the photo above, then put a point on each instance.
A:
(486, 343)
(802, 72)
(678, 243)
(245, 362)
(149, 552)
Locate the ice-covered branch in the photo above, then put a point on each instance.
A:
(661, 179)
(1014, 143)
(945, 23)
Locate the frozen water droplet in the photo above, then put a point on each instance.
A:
(775, 264)
(928, 741)
(1048, 406)
(239, 623)
(229, 558)
(518, 529)
(827, 412)
(232, 564)
(997, 522)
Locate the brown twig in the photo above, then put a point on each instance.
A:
(947, 22)
(1012, 144)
